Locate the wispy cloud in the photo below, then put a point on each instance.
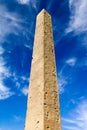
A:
(18, 118)
(11, 23)
(8, 23)
(63, 78)
(78, 18)
(25, 90)
(4, 72)
(77, 119)
(5, 92)
(23, 1)
(20, 82)
(71, 61)
(61, 83)
(32, 3)
(78, 27)
(1, 50)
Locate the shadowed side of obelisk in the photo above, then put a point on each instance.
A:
(51, 98)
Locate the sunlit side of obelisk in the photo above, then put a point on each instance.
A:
(43, 109)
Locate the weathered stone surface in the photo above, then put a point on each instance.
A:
(43, 111)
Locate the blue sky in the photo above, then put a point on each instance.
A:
(17, 27)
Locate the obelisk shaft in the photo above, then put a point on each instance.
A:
(43, 112)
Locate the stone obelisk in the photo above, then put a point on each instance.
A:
(43, 111)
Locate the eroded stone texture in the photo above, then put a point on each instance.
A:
(43, 112)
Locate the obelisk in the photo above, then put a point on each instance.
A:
(43, 109)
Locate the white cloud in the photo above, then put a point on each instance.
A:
(21, 80)
(78, 19)
(61, 83)
(9, 23)
(74, 62)
(24, 78)
(17, 84)
(4, 91)
(78, 118)
(63, 80)
(1, 50)
(12, 23)
(18, 118)
(34, 3)
(25, 91)
(71, 61)
(4, 72)
(23, 1)
(68, 120)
